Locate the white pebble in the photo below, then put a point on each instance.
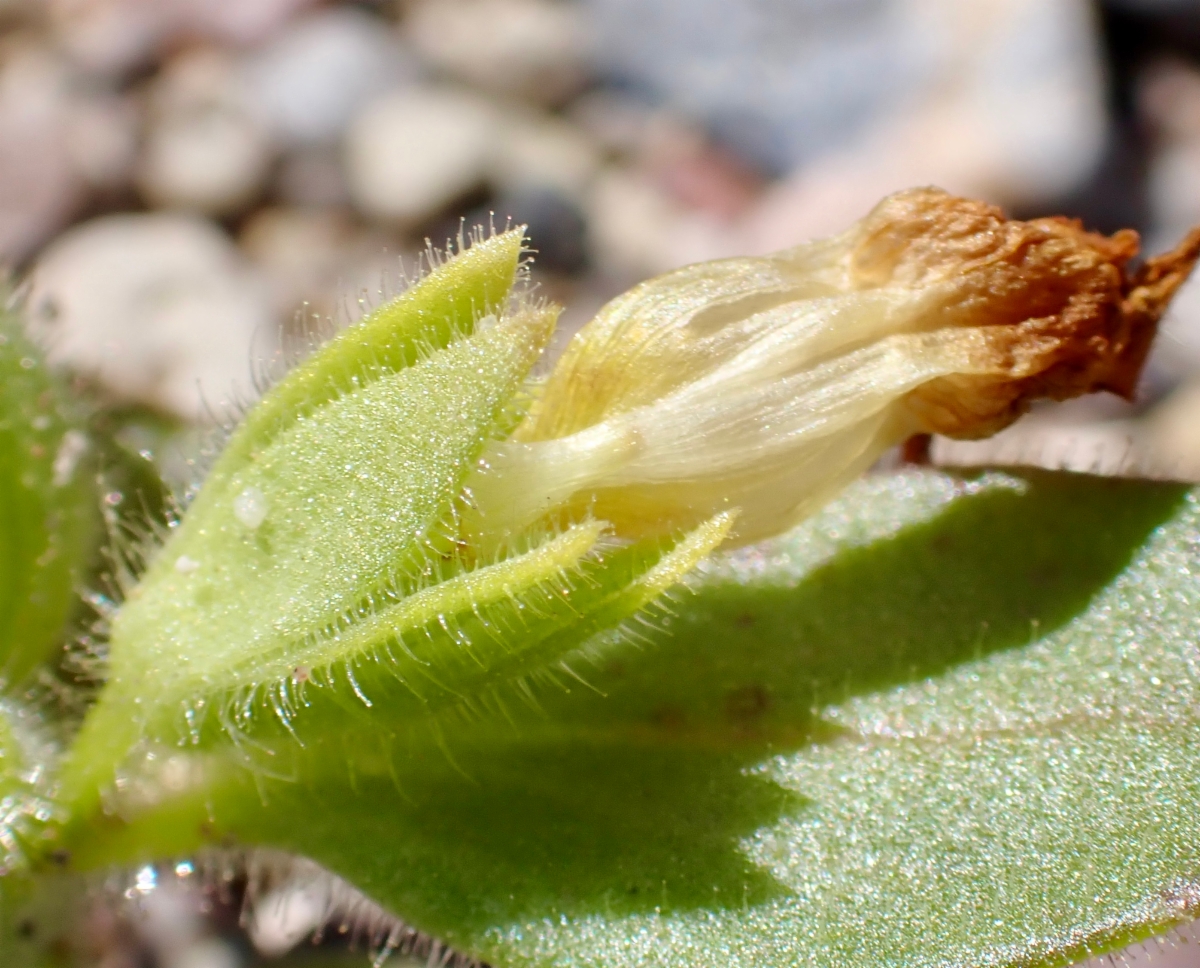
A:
(534, 49)
(157, 308)
(536, 151)
(205, 147)
(113, 36)
(250, 507)
(285, 916)
(39, 188)
(415, 150)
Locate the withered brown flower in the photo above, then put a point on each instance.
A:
(765, 384)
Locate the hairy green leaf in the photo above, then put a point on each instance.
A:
(947, 722)
(48, 505)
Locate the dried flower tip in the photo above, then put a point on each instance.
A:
(768, 383)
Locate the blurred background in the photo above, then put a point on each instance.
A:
(188, 184)
(185, 185)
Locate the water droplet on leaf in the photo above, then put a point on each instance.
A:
(250, 507)
(185, 565)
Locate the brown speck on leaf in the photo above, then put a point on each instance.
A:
(667, 716)
(747, 703)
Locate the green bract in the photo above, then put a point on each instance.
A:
(319, 572)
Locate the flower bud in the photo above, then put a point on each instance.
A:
(766, 384)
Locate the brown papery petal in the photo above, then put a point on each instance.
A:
(1061, 311)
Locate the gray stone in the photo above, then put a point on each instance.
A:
(309, 80)
(556, 227)
(617, 122)
(312, 177)
(786, 82)
(781, 79)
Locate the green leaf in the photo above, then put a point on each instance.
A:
(48, 505)
(39, 920)
(946, 722)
